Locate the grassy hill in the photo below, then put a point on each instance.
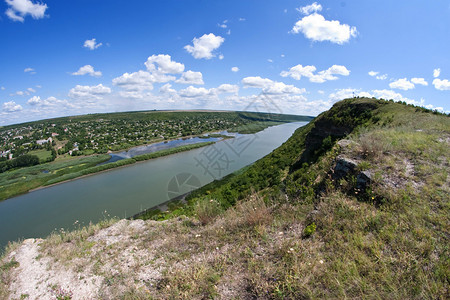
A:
(353, 205)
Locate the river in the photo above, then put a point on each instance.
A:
(126, 191)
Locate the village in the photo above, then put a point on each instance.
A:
(68, 136)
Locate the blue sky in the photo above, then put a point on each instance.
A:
(62, 58)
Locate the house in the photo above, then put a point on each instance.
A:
(41, 142)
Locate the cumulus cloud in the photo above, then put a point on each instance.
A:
(256, 82)
(204, 46)
(420, 81)
(28, 91)
(190, 77)
(167, 89)
(442, 85)
(89, 92)
(137, 81)
(87, 69)
(11, 106)
(2, 88)
(92, 44)
(309, 9)
(373, 73)
(158, 69)
(19, 9)
(50, 101)
(299, 71)
(317, 29)
(269, 86)
(341, 94)
(402, 84)
(192, 92)
(235, 69)
(164, 64)
(436, 72)
(382, 77)
(227, 88)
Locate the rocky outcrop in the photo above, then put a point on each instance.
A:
(346, 167)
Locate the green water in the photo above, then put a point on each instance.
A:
(126, 191)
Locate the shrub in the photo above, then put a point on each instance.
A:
(309, 230)
(256, 212)
(207, 210)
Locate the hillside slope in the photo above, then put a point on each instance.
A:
(353, 205)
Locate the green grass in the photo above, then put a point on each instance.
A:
(42, 154)
(286, 228)
(389, 242)
(254, 127)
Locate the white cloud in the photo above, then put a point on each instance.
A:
(402, 84)
(341, 94)
(11, 106)
(227, 88)
(2, 88)
(235, 69)
(137, 81)
(442, 85)
(34, 100)
(299, 71)
(88, 69)
(158, 66)
(167, 89)
(316, 28)
(204, 46)
(19, 9)
(241, 19)
(309, 9)
(389, 94)
(270, 60)
(30, 70)
(436, 72)
(91, 44)
(277, 88)
(420, 81)
(193, 92)
(89, 92)
(270, 87)
(190, 77)
(31, 90)
(50, 101)
(165, 64)
(379, 77)
(256, 82)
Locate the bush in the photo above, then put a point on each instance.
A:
(256, 212)
(309, 230)
(207, 210)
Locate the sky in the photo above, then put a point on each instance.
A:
(60, 58)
